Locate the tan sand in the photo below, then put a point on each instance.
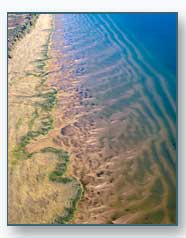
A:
(33, 198)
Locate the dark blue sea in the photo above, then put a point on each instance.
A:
(155, 32)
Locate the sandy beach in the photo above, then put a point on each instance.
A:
(34, 196)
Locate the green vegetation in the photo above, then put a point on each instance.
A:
(20, 152)
(33, 118)
(50, 100)
(58, 176)
(46, 123)
(18, 124)
(33, 125)
(16, 32)
(69, 211)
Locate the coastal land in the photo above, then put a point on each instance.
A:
(40, 190)
(87, 147)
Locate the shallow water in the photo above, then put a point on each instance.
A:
(122, 74)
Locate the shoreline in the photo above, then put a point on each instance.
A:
(18, 32)
(35, 124)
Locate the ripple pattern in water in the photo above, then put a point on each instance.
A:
(122, 122)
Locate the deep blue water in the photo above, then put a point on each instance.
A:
(156, 32)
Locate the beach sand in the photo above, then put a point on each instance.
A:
(34, 196)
